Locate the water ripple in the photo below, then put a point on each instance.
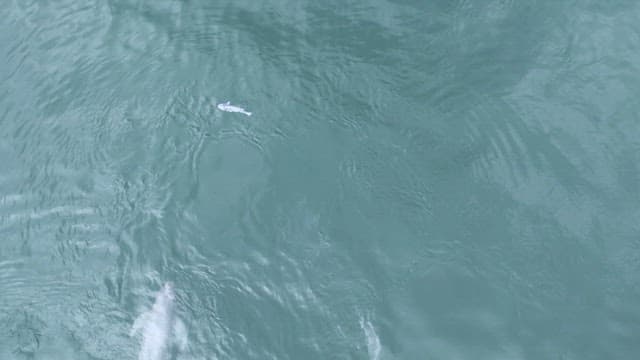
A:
(419, 179)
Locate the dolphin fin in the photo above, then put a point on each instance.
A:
(139, 323)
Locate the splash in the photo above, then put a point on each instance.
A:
(161, 330)
(373, 341)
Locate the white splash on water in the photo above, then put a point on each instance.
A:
(373, 341)
(160, 328)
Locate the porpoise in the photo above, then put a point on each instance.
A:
(226, 106)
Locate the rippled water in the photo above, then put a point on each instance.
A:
(419, 180)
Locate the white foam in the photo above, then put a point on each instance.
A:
(373, 341)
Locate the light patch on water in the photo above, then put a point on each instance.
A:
(160, 329)
(68, 211)
(373, 341)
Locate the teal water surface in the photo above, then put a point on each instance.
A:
(419, 179)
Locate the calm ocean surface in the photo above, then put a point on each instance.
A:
(435, 179)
